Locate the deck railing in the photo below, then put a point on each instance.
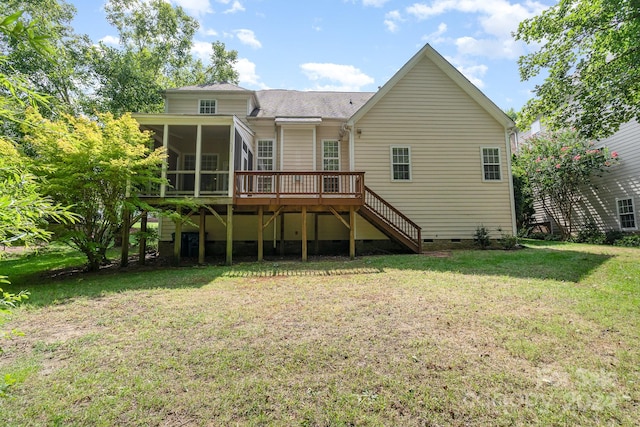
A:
(393, 217)
(299, 185)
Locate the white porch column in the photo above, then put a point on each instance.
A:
(198, 161)
(165, 146)
(232, 154)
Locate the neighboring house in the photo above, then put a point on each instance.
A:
(613, 199)
(425, 160)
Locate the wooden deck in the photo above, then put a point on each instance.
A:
(277, 188)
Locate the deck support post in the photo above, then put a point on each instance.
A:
(315, 233)
(142, 242)
(352, 234)
(177, 242)
(126, 227)
(303, 232)
(229, 234)
(202, 236)
(282, 235)
(260, 233)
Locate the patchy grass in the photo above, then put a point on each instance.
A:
(546, 335)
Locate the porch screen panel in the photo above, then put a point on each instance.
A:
(214, 164)
(181, 171)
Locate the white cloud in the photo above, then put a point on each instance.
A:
(247, 74)
(248, 37)
(110, 40)
(391, 20)
(195, 7)
(436, 36)
(344, 78)
(202, 50)
(208, 31)
(374, 3)
(492, 48)
(497, 19)
(473, 73)
(235, 7)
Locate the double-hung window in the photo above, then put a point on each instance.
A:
(265, 163)
(207, 106)
(491, 164)
(331, 162)
(627, 214)
(401, 163)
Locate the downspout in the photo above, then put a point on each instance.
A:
(508, 132)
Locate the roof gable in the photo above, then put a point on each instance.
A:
(457, 77)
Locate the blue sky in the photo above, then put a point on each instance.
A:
(353, 45)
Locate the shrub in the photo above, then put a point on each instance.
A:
(481, 237)
(590, 233)
(629, 241)
(545, 236)
(611, 236)
(508, 242)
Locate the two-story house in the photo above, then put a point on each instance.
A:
(424, 160)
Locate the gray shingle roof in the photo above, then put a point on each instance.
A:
(293, 103)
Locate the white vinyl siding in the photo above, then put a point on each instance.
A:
(207, 106)
(491, 167)
(445, 129)
(626, 214)
(297, 149)
(401, 163)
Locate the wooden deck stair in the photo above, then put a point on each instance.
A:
(393, 223)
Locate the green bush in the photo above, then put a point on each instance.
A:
(481, 237)
(508, 242)
(629, 241)
(545, 236)
(611, 236)
(590, 233)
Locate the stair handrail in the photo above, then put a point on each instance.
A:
(405, 226)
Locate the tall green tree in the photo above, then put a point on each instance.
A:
(222, 61)
(60, 80)
(154, 54)
(558, 166)
(589, 50)
(98, 166)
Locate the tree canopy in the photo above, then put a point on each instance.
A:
(98, 166)
(61, 80)
(590, 50)
(154, 54)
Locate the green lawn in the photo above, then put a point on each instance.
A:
(548, 335)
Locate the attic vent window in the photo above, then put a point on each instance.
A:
(207, 106)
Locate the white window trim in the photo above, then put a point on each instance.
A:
(482, 164)
(391, 163)
(635, 216)
(339, 155)
(273, 152)
(207, 99)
